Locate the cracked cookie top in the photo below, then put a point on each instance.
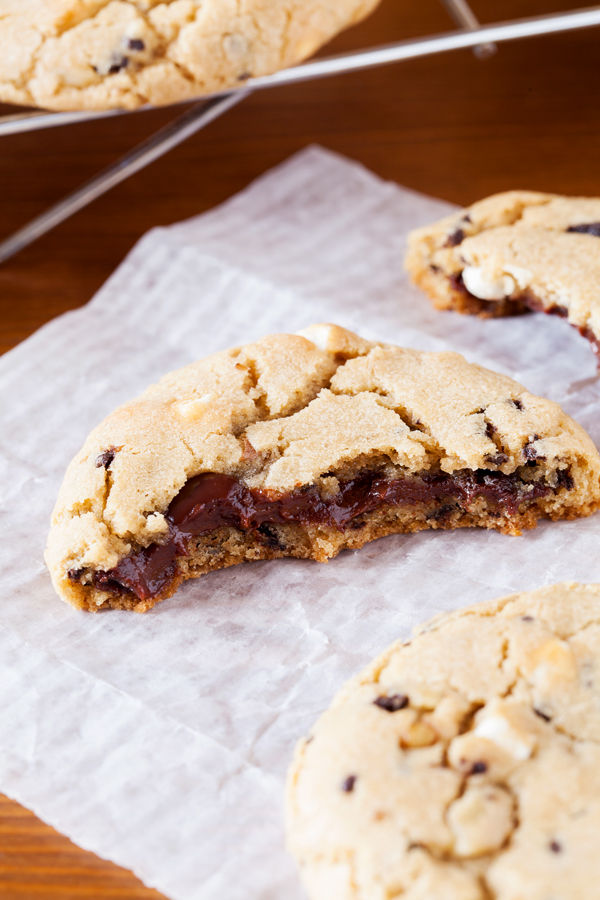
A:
(101, 54)
(462, 765)
(520, 245)
(296, 410)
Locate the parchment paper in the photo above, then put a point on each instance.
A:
(161, 741)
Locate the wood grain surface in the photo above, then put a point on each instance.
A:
(450, 126)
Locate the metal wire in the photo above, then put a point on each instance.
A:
(464, 16)
(154, 147)
(209, 109)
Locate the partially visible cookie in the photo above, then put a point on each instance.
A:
(101, 54)
(303, 445)
(462, 765)
(515, 252)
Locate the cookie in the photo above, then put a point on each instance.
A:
(462, 765)
(515, 252)
(102, 54)
(303, 445)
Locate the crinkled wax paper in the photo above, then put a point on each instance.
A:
(161, 741)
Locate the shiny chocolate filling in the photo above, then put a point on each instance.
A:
(209, 502)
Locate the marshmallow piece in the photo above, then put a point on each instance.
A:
(505, 724)
(480, 820)
(486, 287)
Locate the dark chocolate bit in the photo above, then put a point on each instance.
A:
(529, 451)
(564, 480)
(518, 404)
(526, 618)
(209, 502)
(393, 703)
(591, 228)
(270, 537)
(479, 767)
(348, 785)
(75, 574)
(118, 64)
(490, 430)
(244, 76)
(498, 460)
(542, 715)
(136, 44)
(442, 513)
(455, 238)
(106, 458)
(555, 847)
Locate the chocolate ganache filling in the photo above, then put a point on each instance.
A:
(209, 502)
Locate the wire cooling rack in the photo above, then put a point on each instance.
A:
(483, 40)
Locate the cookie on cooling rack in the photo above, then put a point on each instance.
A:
(94, 54)
(303, 445)
(515, 252)
(463, 765)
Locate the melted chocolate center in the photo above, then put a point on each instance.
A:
(208, 502)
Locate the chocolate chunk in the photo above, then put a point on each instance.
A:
(75, 574)
(244, 76)
(348, 785)
(518, 404)
(555, 847)
(526, 618)
(455, 238)
(479, 767)
(136, 44)
(393, 703)
(590, 228)
(106, 458)
(541, 714)
(490, 429)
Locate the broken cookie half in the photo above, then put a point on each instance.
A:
(462, 765)
(515, 252)
(303, 445)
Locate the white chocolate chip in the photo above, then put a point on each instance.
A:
(319, 335)
(473, 755)
(521, 275)
(480, 820)
(486, 287)
(551, 664)
(505, 724)
(419, 734)
(448, 715)
(194, 409)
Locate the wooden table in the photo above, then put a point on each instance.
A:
(450, 126)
